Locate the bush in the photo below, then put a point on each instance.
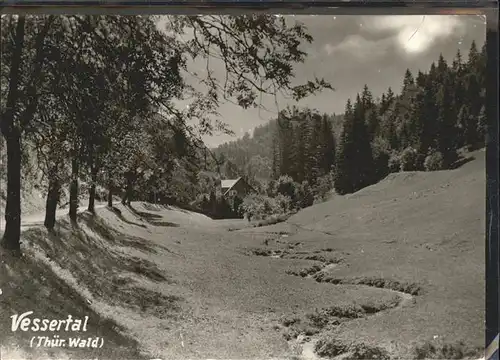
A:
(409, 158)
(330, 347)
(282, 204)
(394, 163)
(236, 205)
(305, 195)
(323, 187)
(367, 352)
(260, 207)
(434, 161)
(287, 187)
(271, 188)
(456, 350)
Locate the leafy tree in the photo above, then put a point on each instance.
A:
(258, 51)
(23, 43)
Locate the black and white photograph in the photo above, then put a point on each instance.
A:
(255, 186)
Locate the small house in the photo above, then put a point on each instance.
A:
(237, 187)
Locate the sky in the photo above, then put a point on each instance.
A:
(350, 51)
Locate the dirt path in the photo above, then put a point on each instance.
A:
(37, 219)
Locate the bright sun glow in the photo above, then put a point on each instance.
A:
(416, 33)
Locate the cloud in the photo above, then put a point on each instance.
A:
(359, 47)
(415, 34)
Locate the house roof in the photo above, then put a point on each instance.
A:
(228, 184)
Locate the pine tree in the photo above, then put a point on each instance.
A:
(391, 133)
(482, 126)
(442, 66)
(366, 99)
(294, 166)
(276, 155)
(328, 157)
(446, 123)
(386, 102)
(368, 112)
(383, 105)
(390, 96)
(408, 81)
(373, 124)
(421, 79)
(354, 160)
(303, 148)
(285, 149)
(466, 126)
(415, 125)
(315, 150)
(473, 58)
(457, 63)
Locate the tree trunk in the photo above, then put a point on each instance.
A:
(92, 190)
(124, 198)
(110, 194)
(73, 190)
(127, 197)
(51, 204)
(12, 234)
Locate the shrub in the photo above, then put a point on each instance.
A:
(305, 195)
(363, 351)
(271, 188)
(236, 205)
(409, 158)
(455, 350)
(330, 347)
(394, 162)
(434, 161)
(282, 205)
(324, 185)
(260, 207)
(287, 187)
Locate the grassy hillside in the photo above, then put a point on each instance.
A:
(395, 270)
(412, 230)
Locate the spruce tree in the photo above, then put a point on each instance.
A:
(383, 104)
(342, 177)
(390, 96)
(373, 123)
(421, 79)
(354, 160)
(328, 156)
(466, 126)
(408, 81)
(303, 146)
(446, 123)
(276, 155)
(366, 99)
(482, 126)
(457, 63)
(474, 57)
(315, 152)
